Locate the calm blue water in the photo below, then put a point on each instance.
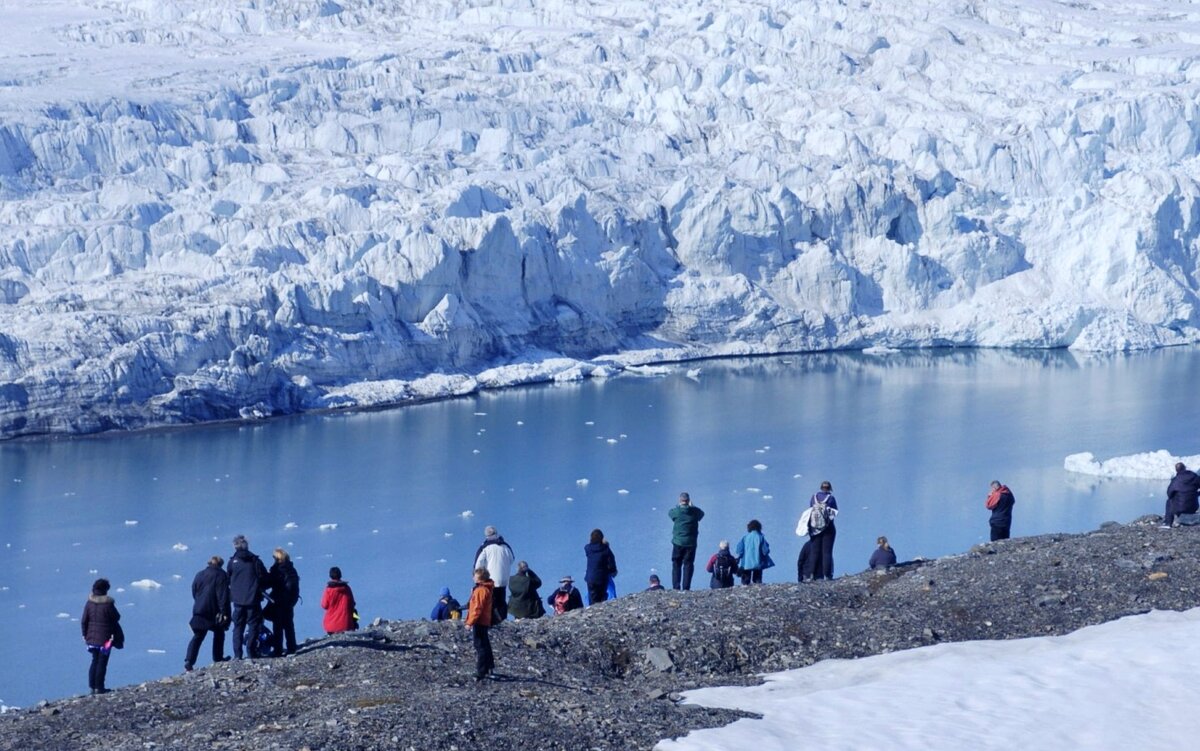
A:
(909, 442)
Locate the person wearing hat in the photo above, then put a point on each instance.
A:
(685, 530)
(566, 597)
(101, 632)
(497, 557)
(447, 608)
(248, 579)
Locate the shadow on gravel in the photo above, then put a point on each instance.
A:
(378, 645)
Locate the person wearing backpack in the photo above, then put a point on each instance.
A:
(566, 597)
(601, 566)
(341, 610)
(524, 600)
(1000, 502)
(753, 553)
(446, 607)
(248, 579)
(817, 522)
(210, 612)
(722, 566)
(285, 593)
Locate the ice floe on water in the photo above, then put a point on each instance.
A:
(328, 527)
(622, 491)
(291, 525)
(1149, 465)
(63, 616)
(760, 467)
(467, 514)
(131, 522)
(880, 350)
(582, 482)
(181, 547)
(145, 584)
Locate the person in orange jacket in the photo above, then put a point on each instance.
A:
(479, 620)
(339, 605)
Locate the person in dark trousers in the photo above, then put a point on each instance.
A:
(285, 593)
(210, 611)
(753, 553)
(101, 626)
(601, 565)
(446, 608)
(524, 600)
(884, 556)
(566, 597)
(722, 565)
(479, 620)
(247, 581)
(338, 604)
(1000, 502)
(1183, 494)
(818, 519)
(655, 584)
(805, 559)
(685, 532)
(497, 557)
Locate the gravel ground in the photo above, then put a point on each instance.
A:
(609, 677)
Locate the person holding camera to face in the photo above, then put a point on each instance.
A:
(686, 520)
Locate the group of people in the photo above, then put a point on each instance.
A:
(233, 595)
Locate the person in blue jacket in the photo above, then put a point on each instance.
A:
(601, 566)
(446, 607)
(753, 553)
(884, 556)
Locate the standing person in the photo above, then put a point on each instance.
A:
(1000, 502)
(1182, 494)
(479, 619)
(338, 603)
(210, 611)
(753, 553)
(524, 600)
(497, 557)
(684, 533)
(247, 580)
(101, 626)
(566, 597)
(285, 593)
(601, 566)
(722, 566)
(818, 520)
(884, 556)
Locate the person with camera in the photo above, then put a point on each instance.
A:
(210, 611)
(684, 533)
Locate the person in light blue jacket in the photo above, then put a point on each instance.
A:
(753, 553)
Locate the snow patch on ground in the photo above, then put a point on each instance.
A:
(1102, 687)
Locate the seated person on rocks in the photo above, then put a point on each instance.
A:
(884, 556)
(566, 597)
(447, 608)
(655, 584)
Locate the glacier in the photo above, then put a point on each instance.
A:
(231, 209)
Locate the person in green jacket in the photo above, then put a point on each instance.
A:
(686, 530)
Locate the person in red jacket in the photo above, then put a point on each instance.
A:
(479, 620)
(338, 602)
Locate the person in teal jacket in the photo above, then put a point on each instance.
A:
(684, 533)
(753, 553)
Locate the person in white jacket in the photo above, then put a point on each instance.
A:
(497, 557)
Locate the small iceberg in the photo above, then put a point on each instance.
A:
(63, 615)
(467, 514)
(760, 467)
(131, 522)
(694, 374)
(1150, 465)
(447, 535)
(179, 546)
(622, 491)
(156, 651)
(611, 440)
(880, 349)
(753, 490)
(327, 527)
(291, 525)
(145, 584)
(582, 482)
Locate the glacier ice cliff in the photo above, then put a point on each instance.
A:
(215, 209)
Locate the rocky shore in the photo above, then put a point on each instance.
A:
(609, 677)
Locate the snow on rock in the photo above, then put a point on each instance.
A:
(145, 584)
(218, 210)
(1150, 465)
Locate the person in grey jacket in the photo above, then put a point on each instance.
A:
(210, 611)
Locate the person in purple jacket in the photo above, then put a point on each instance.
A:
(884, 556)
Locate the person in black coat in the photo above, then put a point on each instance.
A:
(524, 600)
(1183, 494)
(210, 611)
(1000, 502)
(601, 564)
(883, 557)
(247, 580)
(101, 625)
(285, 593)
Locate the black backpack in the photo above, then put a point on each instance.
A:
(723, 569)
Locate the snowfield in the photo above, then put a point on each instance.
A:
(238, 208)
(1102, 687)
